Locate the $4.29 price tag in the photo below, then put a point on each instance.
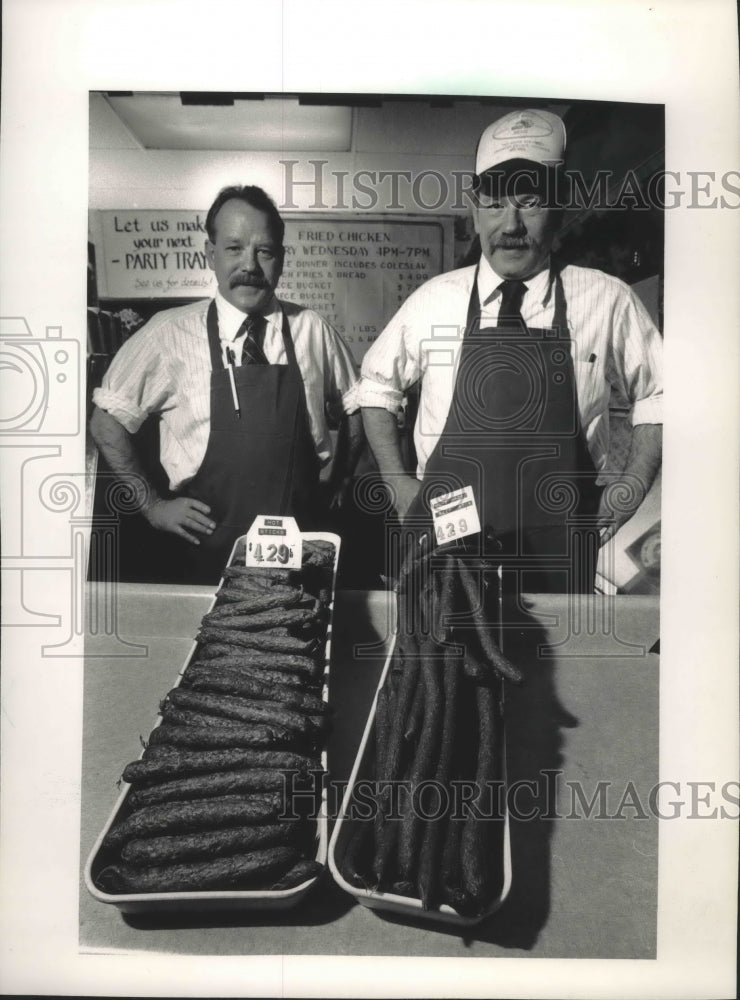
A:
(274, 542)
(455, 515)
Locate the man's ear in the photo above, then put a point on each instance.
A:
(210, 249)
(474, 210)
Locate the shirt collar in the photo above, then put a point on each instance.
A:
(230, 318)
(488, 281)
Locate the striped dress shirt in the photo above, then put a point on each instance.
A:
(165, 369)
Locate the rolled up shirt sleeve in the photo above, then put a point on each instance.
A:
(648, 410)
(637, 361)
(371, 393)
(124, 411)
(137, 383)
(340, 372)
(393, 363)
(350, 401)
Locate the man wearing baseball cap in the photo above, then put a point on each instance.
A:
(516, 358)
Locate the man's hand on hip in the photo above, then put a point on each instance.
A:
(181, 516)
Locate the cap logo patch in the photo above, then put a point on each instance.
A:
(537, 128)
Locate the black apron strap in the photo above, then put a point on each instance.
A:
(288, 342)
(560, 316)
(214, 339)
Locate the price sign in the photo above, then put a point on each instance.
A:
(274, 542)
(455, 515)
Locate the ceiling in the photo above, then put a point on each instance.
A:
(230, 122)
(296, 122)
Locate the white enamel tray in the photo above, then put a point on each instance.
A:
(220, 900)
(391, 902)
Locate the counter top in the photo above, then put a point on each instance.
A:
(582, 745)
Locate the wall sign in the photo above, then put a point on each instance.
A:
(355, 271)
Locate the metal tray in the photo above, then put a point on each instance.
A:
(408, 906)
(164, 902)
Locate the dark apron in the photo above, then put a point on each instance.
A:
(513, 433)
(262, 462)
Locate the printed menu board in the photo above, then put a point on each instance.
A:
(355, 271)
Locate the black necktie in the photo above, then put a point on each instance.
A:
(512, 294)
(252, 352)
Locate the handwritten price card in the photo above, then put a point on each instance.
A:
(274, 542)
(455, 515)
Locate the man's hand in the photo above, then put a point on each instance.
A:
(338, 491)
(622, 496)
(180, 516)
(350, 443)
(612, 515)
(404, 490)
(381, 428)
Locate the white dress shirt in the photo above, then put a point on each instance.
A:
(165, 368)
(614, 344)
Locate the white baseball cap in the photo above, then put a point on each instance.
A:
(527, 134)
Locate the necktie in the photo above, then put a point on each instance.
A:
(252, 352)
(512, 294)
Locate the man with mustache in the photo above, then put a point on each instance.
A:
(240, 385)
(516, 358)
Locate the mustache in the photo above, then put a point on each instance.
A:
(254, 281)
(514, 243)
